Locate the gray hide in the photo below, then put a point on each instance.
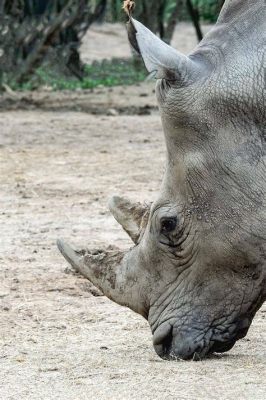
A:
(197, 271)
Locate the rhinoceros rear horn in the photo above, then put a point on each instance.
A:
(159, 58)
(131, 216)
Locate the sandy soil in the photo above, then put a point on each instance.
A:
(59, 163)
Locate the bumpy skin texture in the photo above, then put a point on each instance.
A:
(198, 269)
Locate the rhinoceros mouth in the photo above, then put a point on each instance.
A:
(221, 347)
(195, 351)
(173, 347)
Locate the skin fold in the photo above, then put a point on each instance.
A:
(197, 271)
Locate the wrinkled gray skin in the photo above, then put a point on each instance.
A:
(197, 271)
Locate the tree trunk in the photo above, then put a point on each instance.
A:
(30, 30)
(172, 21)
(194, 14)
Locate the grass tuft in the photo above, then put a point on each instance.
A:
(106, 73)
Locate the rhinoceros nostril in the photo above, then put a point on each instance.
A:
(222, 347)
(242, 328)
(167, 343)
(162, 341)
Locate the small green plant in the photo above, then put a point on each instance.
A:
(106, 73)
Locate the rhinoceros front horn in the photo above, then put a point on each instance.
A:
(111, 271)
(100, 267)
(131, 216)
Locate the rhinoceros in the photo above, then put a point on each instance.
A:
(197, 269)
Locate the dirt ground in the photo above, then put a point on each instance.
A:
(61, 156)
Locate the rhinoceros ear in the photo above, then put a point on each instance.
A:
(131, 216)
(159, 58)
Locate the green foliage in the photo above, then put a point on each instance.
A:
(208, 9)
(33, 31)
(107, 73)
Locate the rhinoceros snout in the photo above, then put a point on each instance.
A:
(170, 345)
(186, 348)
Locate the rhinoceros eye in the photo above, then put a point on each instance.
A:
(168, 225)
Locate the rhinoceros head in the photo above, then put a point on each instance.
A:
(197, 271)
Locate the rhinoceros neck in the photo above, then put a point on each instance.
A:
(240, 24)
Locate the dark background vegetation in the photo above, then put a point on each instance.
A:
(40, 39)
